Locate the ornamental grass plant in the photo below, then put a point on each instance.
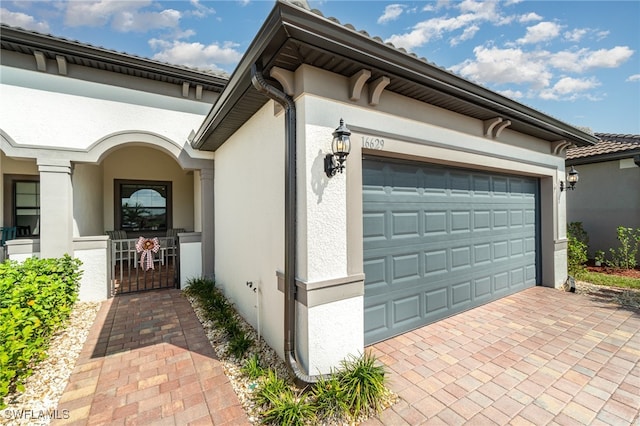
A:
(351, 393)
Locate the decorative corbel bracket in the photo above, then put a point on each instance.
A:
(501, 127)
(356, 83)
(558, 146)
(62, 64)
(489, 126)
(375, 89)
(41, 60)
(285, 78)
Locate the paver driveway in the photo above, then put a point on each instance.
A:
(539, 357)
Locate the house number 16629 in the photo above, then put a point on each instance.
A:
(372, 143)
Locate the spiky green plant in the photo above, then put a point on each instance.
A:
(364, 383)
(331, 400)
(270, 389)
(239, 344)
(290, 410)
(252, 367)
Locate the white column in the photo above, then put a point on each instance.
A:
(56, 208)
(207, 205)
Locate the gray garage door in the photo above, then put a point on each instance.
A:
(441, 240)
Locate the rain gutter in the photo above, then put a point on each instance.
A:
(289, 106)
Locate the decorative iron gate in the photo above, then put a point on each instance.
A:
(143, 264)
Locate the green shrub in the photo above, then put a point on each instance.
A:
(290, 410)
(578, 243)
(270, 390)
(330, 397)
(252, 367)
(36, 297)
(364, 383)
(239, 344)
(624, 257)
(221, 312)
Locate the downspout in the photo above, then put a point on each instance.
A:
(289, 106)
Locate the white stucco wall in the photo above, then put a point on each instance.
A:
(79, 113)
(88, 202)
(143, 163)
(93, 283)
(190, 262)
(249, 221)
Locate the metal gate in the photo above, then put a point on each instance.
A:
(136, 267)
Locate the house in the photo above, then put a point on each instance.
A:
(608, 195)
(82, 129)
(449, 197)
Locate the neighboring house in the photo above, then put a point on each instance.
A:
(608, 192)
(450, 197)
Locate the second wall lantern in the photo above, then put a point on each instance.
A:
(572, 179)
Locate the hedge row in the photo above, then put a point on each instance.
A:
(36, 297)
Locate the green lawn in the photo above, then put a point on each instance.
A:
(609, 280)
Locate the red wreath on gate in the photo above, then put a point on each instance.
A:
(147, 247)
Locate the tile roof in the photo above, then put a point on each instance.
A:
(76, 52)
(609, 144)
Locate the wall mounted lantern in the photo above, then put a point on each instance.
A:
(340, 148)
(572, 179)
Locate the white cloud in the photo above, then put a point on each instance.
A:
(513, 94)
(22, 20)
(467, 34)
(570, 89)
(124, 16)
(472, 14)
(583, 60)
(199, 10)
(633, 78)
(196, 55)
(541, 32)
(568, 85)
(502, 66)
(529, 17)
(575, 35)
(391, 13)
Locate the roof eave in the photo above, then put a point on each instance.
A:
(37, 41)
(601, 158)
(291, 22)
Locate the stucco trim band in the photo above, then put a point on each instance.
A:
(328, 291)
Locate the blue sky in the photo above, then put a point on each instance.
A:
(578, 61)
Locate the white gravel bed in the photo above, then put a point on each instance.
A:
(45, 386)
(245, 387)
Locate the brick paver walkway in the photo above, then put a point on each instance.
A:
(540, 357)
(147, 361)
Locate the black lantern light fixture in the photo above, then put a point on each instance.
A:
(340, 148)
(572, 179)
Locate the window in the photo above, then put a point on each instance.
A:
(142, 205)
(26, 207)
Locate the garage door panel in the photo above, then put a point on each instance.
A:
(460, 293)
(406, 310)
(439, 240)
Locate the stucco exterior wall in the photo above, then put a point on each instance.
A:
(249, 222)
(330, 209)
(143, 163)
(80, 113)
(88, 203)
(606, 196)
